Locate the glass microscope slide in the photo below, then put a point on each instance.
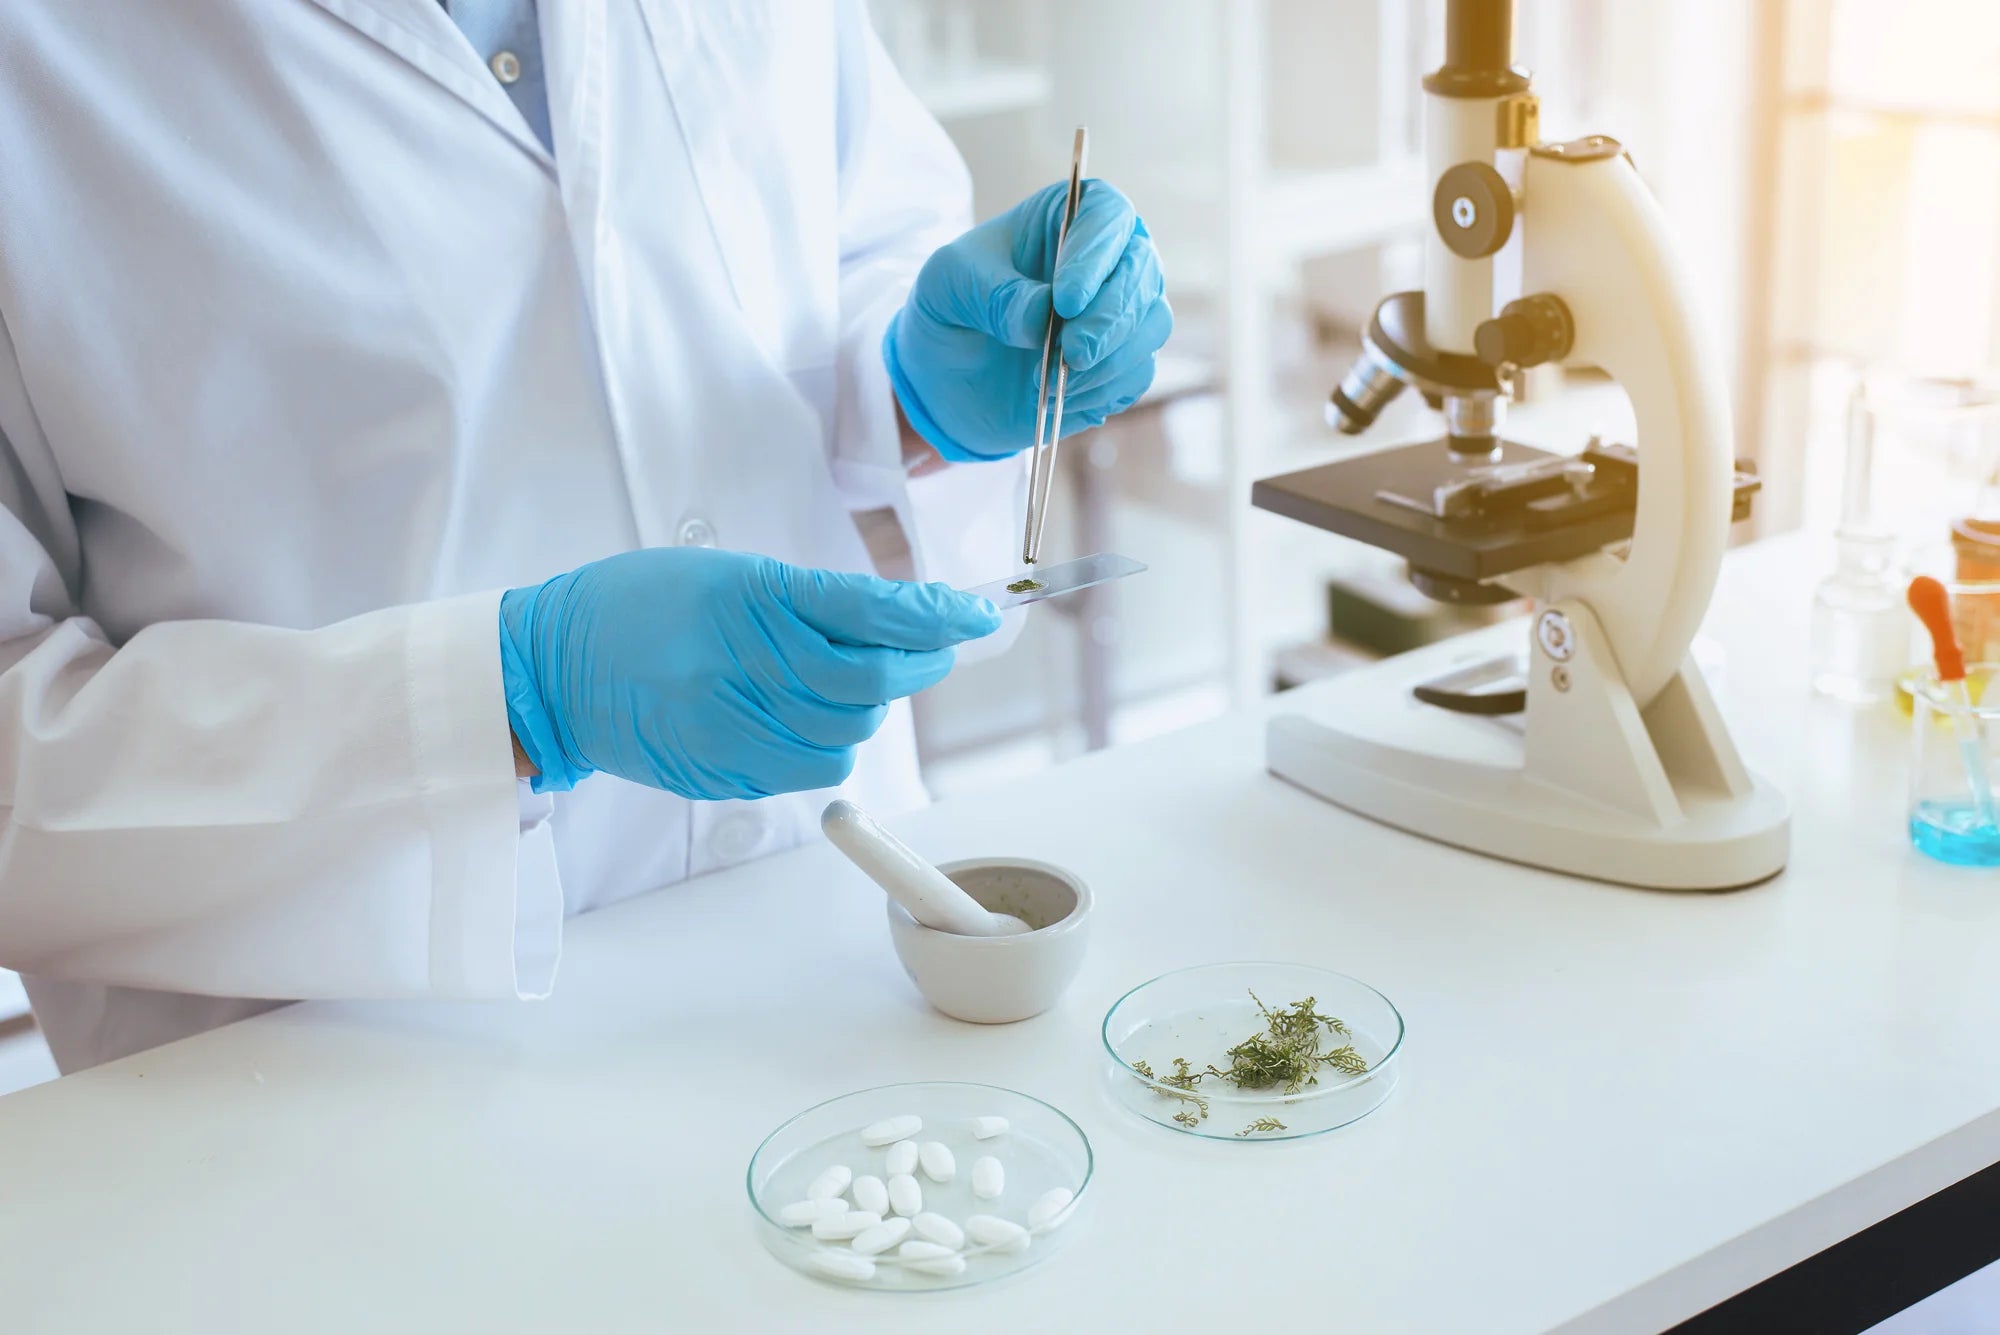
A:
(1056, 580)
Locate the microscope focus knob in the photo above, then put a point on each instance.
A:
(1473, 209)
(1527, 332)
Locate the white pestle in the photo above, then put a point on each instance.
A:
(930, 896)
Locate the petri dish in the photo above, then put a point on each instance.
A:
(1201, 1013)
(1041, 1149)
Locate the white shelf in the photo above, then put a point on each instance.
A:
(1299, 214)
(982, 89)
(1325, 212)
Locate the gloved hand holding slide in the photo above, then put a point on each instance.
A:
(716, 674)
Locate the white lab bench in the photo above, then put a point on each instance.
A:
(1617, 1109)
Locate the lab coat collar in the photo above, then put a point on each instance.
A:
(422, 34)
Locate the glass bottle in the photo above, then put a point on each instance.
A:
(1860, 631)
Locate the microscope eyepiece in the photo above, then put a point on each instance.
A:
(1478, 51)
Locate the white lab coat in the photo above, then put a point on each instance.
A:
(309, 349)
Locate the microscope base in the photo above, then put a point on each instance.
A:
(1368, 745)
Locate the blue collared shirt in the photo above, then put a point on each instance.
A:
(509, 40)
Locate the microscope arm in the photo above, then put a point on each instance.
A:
(1595, 237)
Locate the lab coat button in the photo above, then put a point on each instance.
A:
(696, 533)
(506, 66)
(735, 837)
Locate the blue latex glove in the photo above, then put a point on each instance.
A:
(964, 353)
(718, 674)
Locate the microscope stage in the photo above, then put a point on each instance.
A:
(1347, 497)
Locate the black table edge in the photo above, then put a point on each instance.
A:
(1876, 1273)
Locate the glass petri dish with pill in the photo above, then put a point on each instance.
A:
(919, 1187)
(1247, 1052)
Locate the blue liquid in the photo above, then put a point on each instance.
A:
(1952, 832)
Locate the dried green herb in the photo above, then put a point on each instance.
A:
(1288, 1052)
(1262, 1124)
(1182, 1079)
(1024, 586)
(1346, 1060)
(1287, 1055)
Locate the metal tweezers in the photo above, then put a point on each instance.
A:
(1048, 425)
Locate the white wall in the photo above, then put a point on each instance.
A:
(1673, 83)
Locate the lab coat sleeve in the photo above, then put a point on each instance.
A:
(904, 192)
(241, 810)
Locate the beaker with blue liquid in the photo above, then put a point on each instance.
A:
(1955, 767)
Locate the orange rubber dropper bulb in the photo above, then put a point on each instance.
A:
(1933, 607)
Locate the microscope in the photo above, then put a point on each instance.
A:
(1599, 752)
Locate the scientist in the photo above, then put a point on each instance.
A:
(320, 317)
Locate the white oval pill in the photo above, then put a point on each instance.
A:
(930, 1258)
(905, 1196)
(839, 1227)
(881, 1237)
(830, 1183)
(1052, 1203)
(891, 1129)
(936, 1228)
(989, 1178)
(902, 1158)
(1002, 1235)
(936, 1158)
(842, 1265)
(985, 1128)
(870, 1194)
(800, 1213)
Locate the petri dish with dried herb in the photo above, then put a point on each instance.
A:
(1252, 1051)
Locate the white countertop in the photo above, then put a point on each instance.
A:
(1618, 1107)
